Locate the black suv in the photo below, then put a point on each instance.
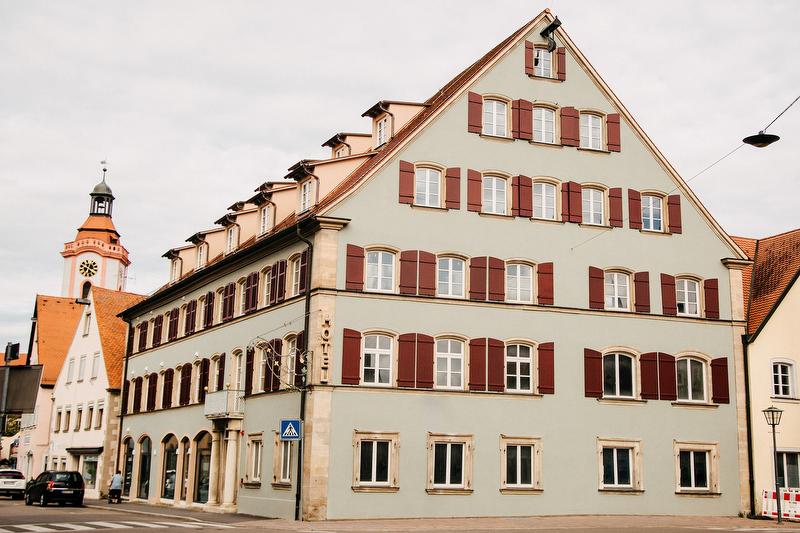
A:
(52, 486)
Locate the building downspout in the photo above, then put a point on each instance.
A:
(304, 349)
(749, 426)
(122, 398)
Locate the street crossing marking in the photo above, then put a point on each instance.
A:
(145, 524)
(75, 527)
(109, 525)
(30, 527)
(181, 524)
(98, 525)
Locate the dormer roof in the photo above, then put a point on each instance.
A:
(341, 138)
(383, 106)
(301, 169)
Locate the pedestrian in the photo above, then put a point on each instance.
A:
(115, 490)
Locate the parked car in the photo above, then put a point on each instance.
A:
(12, 483)
(59, 487)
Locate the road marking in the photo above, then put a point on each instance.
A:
(215, 524)
(109, 525)
(180, 524)
(75, 527)
(28, 527)
(144, 524)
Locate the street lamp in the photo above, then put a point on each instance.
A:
(773, 416)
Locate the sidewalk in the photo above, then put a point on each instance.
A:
(189, 513)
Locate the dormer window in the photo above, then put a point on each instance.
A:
(340, 152)
(382, 131)
(231, 239)
(175, 271)
(202, 255)
(263, 220)
(305, 196)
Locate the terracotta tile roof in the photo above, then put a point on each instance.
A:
(56, 320)
(99, 227)
(776, 266)
(113, 330)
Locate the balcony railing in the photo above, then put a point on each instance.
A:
(27, 421)
(225, 404)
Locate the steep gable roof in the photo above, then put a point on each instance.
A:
(56, 320)
(107, 305)
(776, 267)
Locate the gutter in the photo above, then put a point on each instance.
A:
(304, 349)
(122, 394)
(749, 426)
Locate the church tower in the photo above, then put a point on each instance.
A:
(96, 256)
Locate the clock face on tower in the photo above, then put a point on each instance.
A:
(88, 268)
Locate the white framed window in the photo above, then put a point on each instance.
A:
(495, 114)
(696, 467)
(593, 204)
(687, 297)
(95, 365)
(263, 367)
(494, 195)
(783, 379)
(382, 131)
(375, 461)
(265, 278)
(427, 187)
(231, 239)
(617, 291)
(449, 364)
(286, 462)
(619, 373)
(70, 370)
(543, 66)
(788, 473)
(89, 416)
(519, 368)
(652, 213)
(377, 360)
(520, 464)
(296, 277)
(263, 220)
(87, 323)
(81, 368)
(449, 463)
(619, 464)
(691, 374)
(380, 271)
(591, 131)
(78, 416)
(202, 252)
(544, 200)
(175, 270)
(282, 463)
(241, 290)
(519, 283)
(291, 359)
(450, 280)
(255, 459)
(340, 152)
(305, 195)
(544, 125)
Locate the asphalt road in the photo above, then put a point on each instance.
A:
(16, 517)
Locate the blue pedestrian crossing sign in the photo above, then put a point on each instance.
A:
(291, 429)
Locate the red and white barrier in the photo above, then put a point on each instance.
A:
(790, 504)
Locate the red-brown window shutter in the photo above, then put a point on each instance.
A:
(515, 196)
(592, 373)
(570, 132)
(669, 305)
(546, 353)
(474, 113)
(166, 393)
(303, 276)
(277, 350)
(408, 272)
(427, 274)
(522, 119)
(575, 202)
(596, 288)
(615, 207)
(641, 295)
(719, 380)
(143, 336)
(561, 61)
(152, 385)
(612, 132)
(191, 318)
(158, 330)
(281, 296)
(208, 312)
(273, 284)
(406, 360)
(515, 119)
(474, 184)
(565, 201)
(667, 384)
(351, 357)
(203, 384)
(406, 182)
(477, 364)
(172, 330)
(137, 395)
(452, 188)
(711, 293)
(477, 278)
(522, 196)
(674, 213)
(298, 356)
(496, 365)
(248, 371)
(186, 384)
(634, 209)
(221, 372)
(544, 282)
(530, 53)
(497, 279)
(648, 367)
(424, 361)
(355, 268)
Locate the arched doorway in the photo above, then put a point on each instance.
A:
(170, 465)
(145, 447)
(127, 466)
(186, 449)
(202, 473)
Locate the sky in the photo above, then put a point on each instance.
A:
(195, 103)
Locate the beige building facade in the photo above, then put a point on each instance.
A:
(509, 303)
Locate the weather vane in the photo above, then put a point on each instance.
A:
(104, 163)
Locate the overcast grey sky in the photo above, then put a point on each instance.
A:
(195, 103)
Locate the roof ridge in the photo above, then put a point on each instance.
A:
(782, 234)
